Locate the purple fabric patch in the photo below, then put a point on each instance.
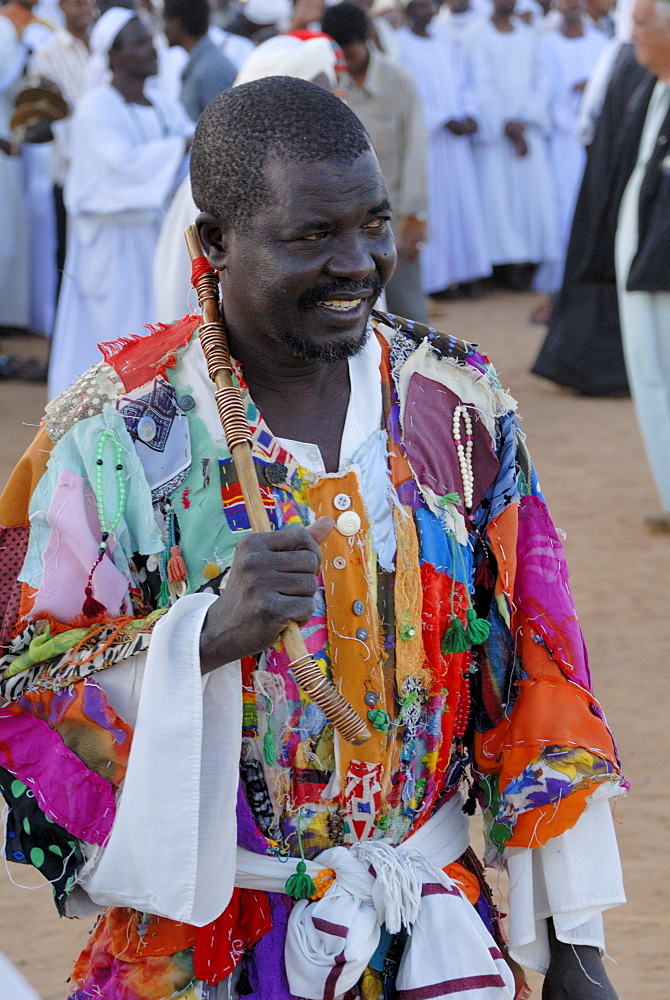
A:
(248, 835)
(267, 972)
(542, 590)
(429, 441)
(66, 790)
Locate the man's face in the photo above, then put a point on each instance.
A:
(306, 270)
(78, 14)
(357, 57)
(651, 34)
(172, 30)
(135, 55)
(421, 12)
(571, 10)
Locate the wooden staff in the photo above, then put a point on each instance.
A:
(233, 416)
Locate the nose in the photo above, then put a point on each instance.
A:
(352, 258)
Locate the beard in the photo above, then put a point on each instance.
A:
(309, 350)
(325, 351)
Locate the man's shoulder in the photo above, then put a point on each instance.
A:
(413, 334)
(128, 364)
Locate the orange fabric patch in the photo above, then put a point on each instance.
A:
(535, 827)
(502, 533)
(348, 575)
(467, 882)
(15, 498)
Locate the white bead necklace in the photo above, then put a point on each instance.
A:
(464, 452)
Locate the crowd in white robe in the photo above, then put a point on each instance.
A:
(487, 205)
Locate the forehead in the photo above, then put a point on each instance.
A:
(326, 188)
(132, 33)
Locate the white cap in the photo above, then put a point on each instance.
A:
(267, 11)
(106, 28)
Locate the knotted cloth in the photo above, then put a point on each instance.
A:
(329, 942)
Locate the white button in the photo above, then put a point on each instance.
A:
(339, 562)
(342, 501)
(348, 523)
(146, 429)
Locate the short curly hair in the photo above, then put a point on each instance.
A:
(244, 127)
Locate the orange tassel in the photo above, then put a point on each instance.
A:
(176, 567)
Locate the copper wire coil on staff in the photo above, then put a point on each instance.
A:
(306, 670)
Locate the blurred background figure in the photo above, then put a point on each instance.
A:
(14, 269)
(570, 54)
(386, 100)
(511, 88)
(126, 156)
(208, 71)
(64, 60)
(455, 256)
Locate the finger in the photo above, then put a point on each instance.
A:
(321, 528)
(286, 539)
(294, 584)
(295, 561)
(296, 609)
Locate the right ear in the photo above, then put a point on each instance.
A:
(213, 240)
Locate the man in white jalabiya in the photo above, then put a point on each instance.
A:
(642, 248)
(570, 55)
(14, 288)
(510, 147)
(127, 153)
(456, 251)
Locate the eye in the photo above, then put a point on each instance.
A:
(314, 237)
(377, 223)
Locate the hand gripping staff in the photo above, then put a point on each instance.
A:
(306, 670)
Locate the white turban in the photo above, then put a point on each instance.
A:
(107, 27)
(287, 55)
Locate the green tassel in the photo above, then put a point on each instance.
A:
(164, 595)
(477, 629)
(455, 639)
(380, 719)
(269, 750)
(300, 885)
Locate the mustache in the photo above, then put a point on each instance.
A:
(325, 290)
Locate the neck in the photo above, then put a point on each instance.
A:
(574, 30)
(359, 75)
(299, 400)
(130, 88)
(189, 42)
(80, 33)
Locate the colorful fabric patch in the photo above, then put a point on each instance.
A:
(69, 792)
(34, 839)
(362, 799)
(233, 500)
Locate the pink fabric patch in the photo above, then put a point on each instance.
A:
(66, 790)
(71, 553)
(542, 590)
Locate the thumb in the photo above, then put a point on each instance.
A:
(321, 528)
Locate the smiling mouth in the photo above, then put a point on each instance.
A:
(340, 305)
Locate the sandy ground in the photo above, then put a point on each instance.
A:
(595, 476)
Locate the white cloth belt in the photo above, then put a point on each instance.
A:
(330, 942)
